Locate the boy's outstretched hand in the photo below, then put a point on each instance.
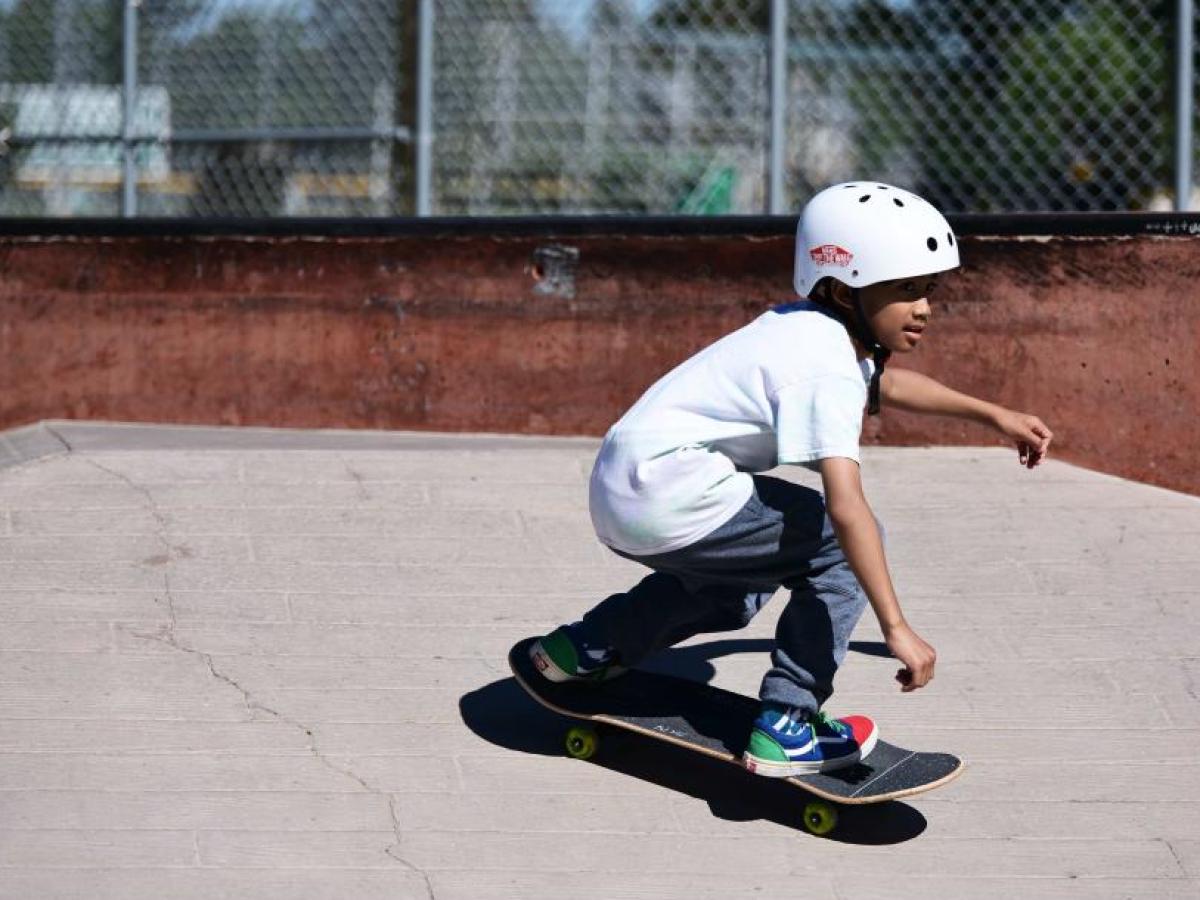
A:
(918, 657)
(1029, 433)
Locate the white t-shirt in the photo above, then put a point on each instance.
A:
(786, 388)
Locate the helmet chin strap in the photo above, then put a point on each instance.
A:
(881, 354)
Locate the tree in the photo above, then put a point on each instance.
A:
(1055, 106)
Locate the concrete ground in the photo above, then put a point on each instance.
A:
(245, 663)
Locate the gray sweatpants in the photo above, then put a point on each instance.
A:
(782, 536)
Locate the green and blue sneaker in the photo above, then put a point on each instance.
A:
(564, 655)
(785, 742)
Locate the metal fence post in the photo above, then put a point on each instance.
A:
(778, 102)
(424, 129)
(1184, 100)
(128, 109)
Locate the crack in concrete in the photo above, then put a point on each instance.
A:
(170, 637)
(394, 850)
(359, 481)
(1178, 859)
(1189, 682)
(159, 535)
(58, 437)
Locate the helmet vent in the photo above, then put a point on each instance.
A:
(881, 187)
(845, 186)
(897, 201)
(950, 238)
(931, 243)
(864, 198)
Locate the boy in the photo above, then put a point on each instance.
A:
(674, 486)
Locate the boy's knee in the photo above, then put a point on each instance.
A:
(739, 609)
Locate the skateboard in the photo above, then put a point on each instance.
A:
(717, 723)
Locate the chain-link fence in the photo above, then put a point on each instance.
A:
(340, 107)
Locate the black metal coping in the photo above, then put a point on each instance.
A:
(1007, 225)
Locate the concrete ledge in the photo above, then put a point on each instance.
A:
(55, 436)
(21, 445)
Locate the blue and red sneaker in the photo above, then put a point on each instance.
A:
(784, 742)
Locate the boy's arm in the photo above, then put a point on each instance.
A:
(858, 535)
(914, 392)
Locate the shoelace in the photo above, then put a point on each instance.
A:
(790, 724)
(823, 718)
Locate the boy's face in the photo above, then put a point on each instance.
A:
(898, 311)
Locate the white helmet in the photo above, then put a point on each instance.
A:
(864, 232)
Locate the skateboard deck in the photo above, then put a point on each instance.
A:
(717, 723)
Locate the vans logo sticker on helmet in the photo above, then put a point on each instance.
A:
(830, 255)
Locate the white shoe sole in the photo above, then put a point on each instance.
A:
(552, 672)
(771, 769)
(547, 667)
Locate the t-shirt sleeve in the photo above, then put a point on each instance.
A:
(819, 418)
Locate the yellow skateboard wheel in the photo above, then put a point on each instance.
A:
(820, 817)
(581, 742)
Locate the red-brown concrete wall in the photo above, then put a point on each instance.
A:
(1098, 336)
